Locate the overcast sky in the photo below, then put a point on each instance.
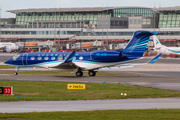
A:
(24, 4)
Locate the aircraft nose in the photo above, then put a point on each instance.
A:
(8, 61)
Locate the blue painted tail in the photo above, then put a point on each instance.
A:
(138, 43)
(154, 59)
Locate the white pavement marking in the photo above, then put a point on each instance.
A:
(8, 54)
(84, 105)
(4, 74)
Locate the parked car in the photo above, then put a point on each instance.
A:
(33, 50)
(174, 55)
(59, 50)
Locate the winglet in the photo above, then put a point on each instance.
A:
(70, 58)
(154, 59)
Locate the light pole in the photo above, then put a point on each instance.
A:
(59, 27)
(102, 25)
(154, 20)
(107, 29)
(0, 23)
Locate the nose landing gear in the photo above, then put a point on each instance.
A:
(16, 71)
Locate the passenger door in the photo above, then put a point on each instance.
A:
(24, 59)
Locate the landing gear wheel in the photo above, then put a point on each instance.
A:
(92, 73)
(79, 74)
(15, 73)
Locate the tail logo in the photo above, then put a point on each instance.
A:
(157, 42)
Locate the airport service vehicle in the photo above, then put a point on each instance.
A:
(87, 61)
(8, 46)
(159, 48)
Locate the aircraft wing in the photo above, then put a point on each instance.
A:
(67, 64)
(131, 65)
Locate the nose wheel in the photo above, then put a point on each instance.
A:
(92, 73)
(16, 71)
(79, 73)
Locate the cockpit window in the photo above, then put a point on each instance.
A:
(16, 56)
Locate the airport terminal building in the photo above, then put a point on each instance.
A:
(109, 25)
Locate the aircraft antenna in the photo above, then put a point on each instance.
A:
(154, 5)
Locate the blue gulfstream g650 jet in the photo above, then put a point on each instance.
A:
(87, 61)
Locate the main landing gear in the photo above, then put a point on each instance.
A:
(79, 73)
(16, 71)
(92, 73)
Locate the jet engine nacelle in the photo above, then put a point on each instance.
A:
(103, 55)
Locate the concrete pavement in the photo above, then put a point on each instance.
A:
(84, 105)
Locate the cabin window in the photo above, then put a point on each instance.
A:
(81, 58)
(46, 58)
(52, 58)
(60, 58)
(39, 58)
(32, 58)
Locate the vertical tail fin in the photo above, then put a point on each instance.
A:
(138, 43)
(157, 43)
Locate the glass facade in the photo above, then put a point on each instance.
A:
(135, 21)
(128, 12)
(78, 33)
(169, 19)
(22, 18)
(91, 17)
(46, 25)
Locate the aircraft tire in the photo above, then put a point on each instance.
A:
(15, 73)
(92, 73)
(79, 74)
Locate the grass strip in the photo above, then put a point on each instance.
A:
(5, 67)
(35, 91)
(149, 114)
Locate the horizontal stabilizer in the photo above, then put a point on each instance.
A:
(154, 59)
